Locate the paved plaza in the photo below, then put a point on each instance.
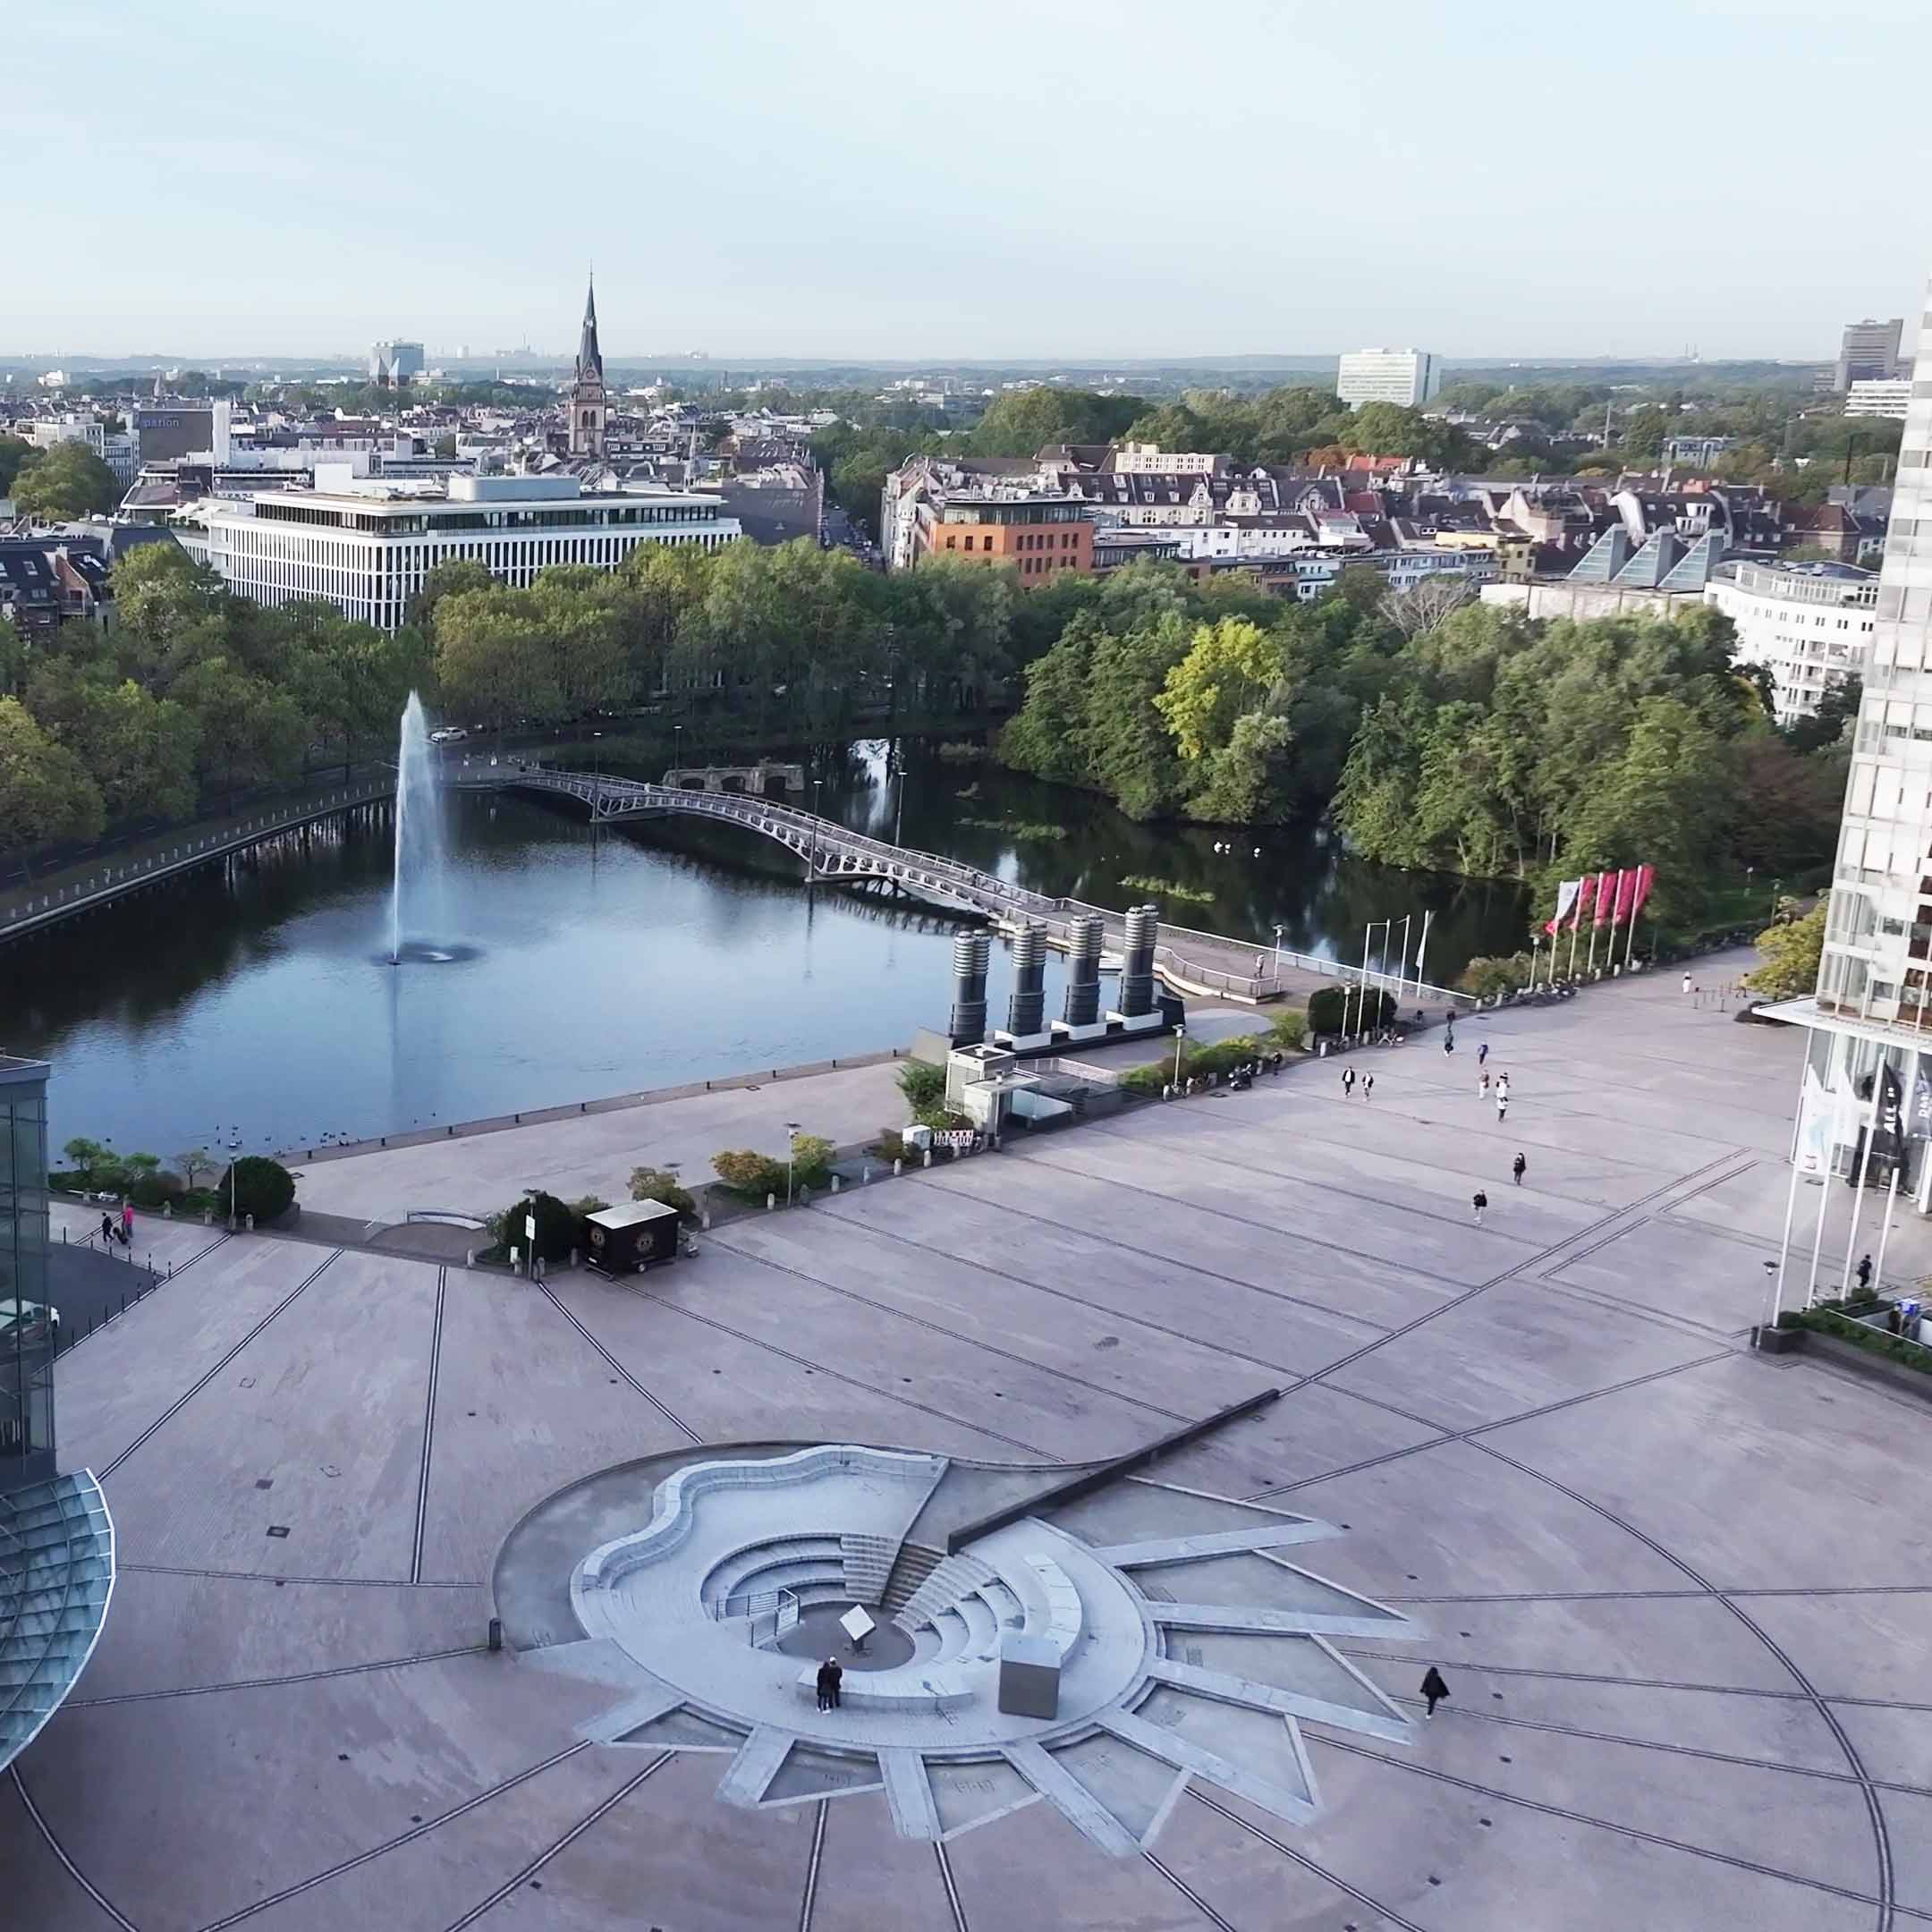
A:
(1681, 1594)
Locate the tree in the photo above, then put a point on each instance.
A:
(193, 1162)
(13, 453)
(350, 680)
(1230, 668)
(491, 658)
(1837, 707)
(662, 1185)
(1024, 421)
(249, 732)
(46, 794)
(1791, 950)
(172, 612)
(69, 480)
(259, 1186)
(139, 749)
(1422, 607)
(451, 575)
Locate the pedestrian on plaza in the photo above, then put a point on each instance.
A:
(1482, 1053)
(1502, 1085)
(1434, 1689)
(825, 1684)
(835, 1677)
(1479, 1200)
(1482, 1087)
(1863, 1271)
(1368, 1088)
(1518, 1166)
(127, 1222)
(106, 1229)
(1448, 1044)
(1501, 1107)
(1687, 982)
(1348, 1083)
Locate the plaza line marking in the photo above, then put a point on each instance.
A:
(194, 1388)
(952, 1889)
(409, 1837)
(562, 1844)
(611, 1361)
(263, 1683)
(1385, 1912)
(1886, 1904)
(332, 1582)
(1189, 1895)
(1466, 1714)
(1027, 1362)
(60, 1851)
(428, 1426)
(1881, 1835)
(810, 1899)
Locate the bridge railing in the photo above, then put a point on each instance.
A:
(1183, 956)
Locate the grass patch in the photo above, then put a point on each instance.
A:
(1166, 888)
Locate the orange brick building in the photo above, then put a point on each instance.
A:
(1041, 537)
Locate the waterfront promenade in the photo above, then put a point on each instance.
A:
(1682, 1595)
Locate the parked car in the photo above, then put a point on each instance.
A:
(449, 734)
(29, 1322)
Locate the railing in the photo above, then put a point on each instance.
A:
(42, 909)
(781, 1606)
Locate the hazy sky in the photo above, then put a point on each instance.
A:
(1006, 178)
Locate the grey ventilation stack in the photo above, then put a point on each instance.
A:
(1026, 1010)
(1084, 937)
(971, 953)
(1136, 963)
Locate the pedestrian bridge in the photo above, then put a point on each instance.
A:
(1201, 963)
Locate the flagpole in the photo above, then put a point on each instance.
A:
(1421, 947)
(1791, 1205)
(1576, 925)
(1402, 965)
(1864, 1169)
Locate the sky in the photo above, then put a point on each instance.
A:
(1000, 180)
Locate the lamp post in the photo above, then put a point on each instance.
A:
(811, 863)
(1278, 932)
(1180, 1034)
(792, 1134)
(1771, 1300)
(677, 748)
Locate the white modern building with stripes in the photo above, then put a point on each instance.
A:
(368, 549)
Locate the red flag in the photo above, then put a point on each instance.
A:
(1586, 892)
(1626, 895)
(1645, 875)
(1606, 892)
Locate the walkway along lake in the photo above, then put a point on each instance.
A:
(257, 1001)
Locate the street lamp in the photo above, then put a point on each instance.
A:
(1279, 930)
(1180, 1034)
(792, 1134)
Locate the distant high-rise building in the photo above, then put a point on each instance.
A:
(589, 406)
(1868, 351)
(395, 362)
(1407, 376)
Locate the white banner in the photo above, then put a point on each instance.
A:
(1566, 898)
(1813, 1126)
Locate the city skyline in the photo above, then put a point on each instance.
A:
(756, 183)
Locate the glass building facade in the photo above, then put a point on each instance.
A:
(28, 1335)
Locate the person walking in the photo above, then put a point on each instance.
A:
(1348, 1083)
(1482, 1053)
(1502, 1087)
(1368, 1088)
(1501, 1107)
(1448, 1045)
(1518, 1166)
(106, 1230)
(1434, 1689)
(1863, 1272)
(127, 1223)
(835, 1675)
(1479, 1200)
(1482, 1087)
(824, 1685)
(1687, 982)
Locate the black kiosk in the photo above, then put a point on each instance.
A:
(621, 1240)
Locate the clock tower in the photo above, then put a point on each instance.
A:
(589, 406)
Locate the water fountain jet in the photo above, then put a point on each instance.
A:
(418, 826)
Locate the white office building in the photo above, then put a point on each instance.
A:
(1879, 396)
(1809, 625)
(1407, 376)
(368, 550)
(1867, 1083)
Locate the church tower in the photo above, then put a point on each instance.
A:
(589, 407)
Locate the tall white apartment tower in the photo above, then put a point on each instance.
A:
(1868, 1082)
(1407, 376)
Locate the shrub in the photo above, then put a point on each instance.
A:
(557, 1227)
(811, 1159)
(660, 1184)
(755, 1176)
(1330, 1007)
(589, 1204)
(1289, 1032)
(256, 1186)
(155, 1189)
(1199, 1063)
(1486, 977)
(890, 1145)
(924, 1086)
(1828, 1320)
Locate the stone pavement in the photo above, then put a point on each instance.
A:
(1682, 1596)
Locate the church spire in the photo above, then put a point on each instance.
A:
(589, 357)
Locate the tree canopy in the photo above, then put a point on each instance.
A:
(66, 481)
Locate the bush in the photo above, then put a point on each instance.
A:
(1289, 1032)
(1330, 1007)
(1200, 1062)
(923, 1086)
(660, 1184)
(557, 1227)
(890, 1145)
(588, 1204)
(1826, 1320)
(1486, 978)
(755, 1176)
(256, 1186)
(157, 1190)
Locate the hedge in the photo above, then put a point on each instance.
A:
(1826, 1319)
(257, 1185)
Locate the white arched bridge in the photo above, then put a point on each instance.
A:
(1196, 963)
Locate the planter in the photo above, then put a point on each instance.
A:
(1912, 1382)
(1778, 1341)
